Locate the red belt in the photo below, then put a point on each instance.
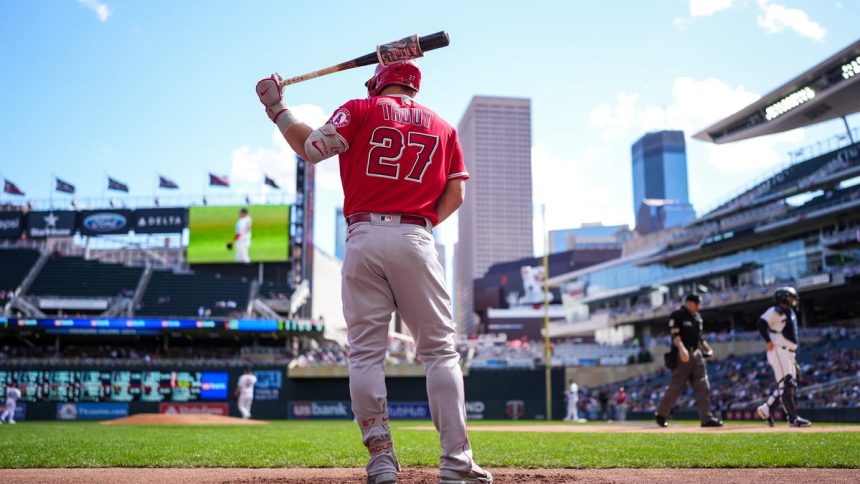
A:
(404, 219)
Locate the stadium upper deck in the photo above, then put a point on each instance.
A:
(828, 90)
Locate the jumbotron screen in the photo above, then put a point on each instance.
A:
(254, 233)
(116, 385)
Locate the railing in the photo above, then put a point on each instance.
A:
(65, 202)
(797, 156)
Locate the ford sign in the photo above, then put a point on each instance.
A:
(105, 222)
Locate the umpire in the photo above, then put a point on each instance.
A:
(687, 362)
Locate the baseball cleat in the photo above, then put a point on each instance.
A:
(661, 421)
(712, 422)
(800, 422)
(480, 476)
(384, 478)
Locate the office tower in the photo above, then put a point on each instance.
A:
(495, 221)
(659, 163)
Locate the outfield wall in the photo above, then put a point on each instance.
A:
(490, 394)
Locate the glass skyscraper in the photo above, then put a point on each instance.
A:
(660, 173)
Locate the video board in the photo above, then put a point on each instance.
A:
(116, 385)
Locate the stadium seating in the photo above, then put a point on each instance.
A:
(77, 277)
(171, 294)
(269, 290)
(15, 264)
(744, 381)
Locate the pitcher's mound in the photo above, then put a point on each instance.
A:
(176, 419)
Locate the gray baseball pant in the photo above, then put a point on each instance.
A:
(695, 373)
(388, 267)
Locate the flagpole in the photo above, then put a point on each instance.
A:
(102, 201)
(51, 191)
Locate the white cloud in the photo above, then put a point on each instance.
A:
(703, 8)
(249, 165)
(695, 104)
(102, 11)
(772, 17)
(775, 18)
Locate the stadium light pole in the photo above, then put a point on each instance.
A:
(547, 353)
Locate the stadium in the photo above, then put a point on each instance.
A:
(127, 327)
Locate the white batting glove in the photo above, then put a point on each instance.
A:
(270, 93)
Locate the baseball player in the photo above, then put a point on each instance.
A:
(242, 237)
(778, 327)
(572, 401)
(245, 393)
(12, 396)
(402, 172)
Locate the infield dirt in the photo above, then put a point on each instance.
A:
(415, 476)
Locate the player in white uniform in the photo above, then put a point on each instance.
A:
(12, 396)
(242, 237)
(245, 393)
(572, 401)
(778, 327)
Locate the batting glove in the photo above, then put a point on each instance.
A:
(270, 94)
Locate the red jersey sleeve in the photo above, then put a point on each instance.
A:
(348, 118)
(457, 165)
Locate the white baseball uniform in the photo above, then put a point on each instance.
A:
(12, 396)
(572, 401)
(243, 242)
(780, 328)
(246, 394)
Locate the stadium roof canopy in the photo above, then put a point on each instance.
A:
(829, 90)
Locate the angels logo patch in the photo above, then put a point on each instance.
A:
(340, 118)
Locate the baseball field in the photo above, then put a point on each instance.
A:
(331, 451)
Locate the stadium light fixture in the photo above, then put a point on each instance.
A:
(851, 69)
(788, 103)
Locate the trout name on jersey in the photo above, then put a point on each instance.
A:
(414, 116)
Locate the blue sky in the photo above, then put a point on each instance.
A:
(130, 89)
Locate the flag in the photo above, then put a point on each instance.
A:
(117, 185)
(218, 180)
(271, 182)
(164, 182)
(65, 187)
(11, 188)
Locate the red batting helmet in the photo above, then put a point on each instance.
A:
(403, 73)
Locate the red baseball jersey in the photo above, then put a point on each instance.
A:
(399, 156)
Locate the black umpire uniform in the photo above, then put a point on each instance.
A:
(686, 326)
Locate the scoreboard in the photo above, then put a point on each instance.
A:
(116, 385)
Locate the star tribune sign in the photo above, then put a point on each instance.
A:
(51, 224)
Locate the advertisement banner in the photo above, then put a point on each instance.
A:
(213, 385)
(55, 223)
(320, 410)
(269, 383)
(255, 233)
(11, 225)
(106, 222)
(409, 410)
(193, 409)
(160, 220)
(91, 411)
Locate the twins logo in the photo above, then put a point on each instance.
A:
(515, 409)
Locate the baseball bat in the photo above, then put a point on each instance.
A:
(407, 48)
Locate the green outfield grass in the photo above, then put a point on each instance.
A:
(337, 444)
(210, 228)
